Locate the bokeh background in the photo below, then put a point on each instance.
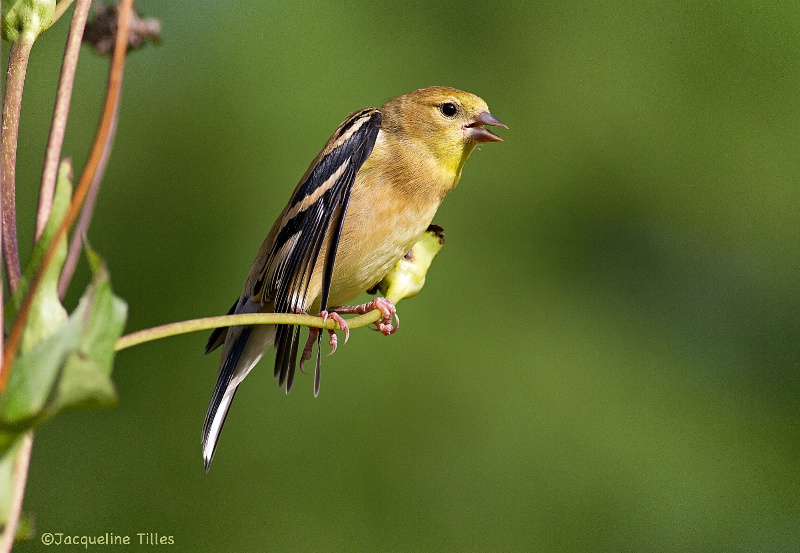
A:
(605, 356)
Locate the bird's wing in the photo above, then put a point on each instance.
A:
(314, 215)
(217, 337)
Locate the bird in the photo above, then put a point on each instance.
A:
(364, 201)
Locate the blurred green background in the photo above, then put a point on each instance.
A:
(605, 356)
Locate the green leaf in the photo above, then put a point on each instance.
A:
(35, 371)
(64, 362)
(86, 377)
(70, 369)
(33, 378)
(47, 314)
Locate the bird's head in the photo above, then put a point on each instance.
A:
(447, 121)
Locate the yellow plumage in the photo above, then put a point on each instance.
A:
(425, 138)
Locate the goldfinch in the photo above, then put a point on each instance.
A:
(363, 203)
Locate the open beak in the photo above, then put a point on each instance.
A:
(475, 131)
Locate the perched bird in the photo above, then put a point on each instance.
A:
(363, 203)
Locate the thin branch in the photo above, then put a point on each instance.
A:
(15, 82)
(7, 539)
(100, 32)
(209, 323)
(61, 7)
(61, 111)
(19, 477)
(88, 209)
(2, 300)
(112, 97)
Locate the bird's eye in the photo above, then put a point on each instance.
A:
(448, 109)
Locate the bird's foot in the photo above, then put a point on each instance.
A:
(333, 341)
(386, 307)
(384, 325)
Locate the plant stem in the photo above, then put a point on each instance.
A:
(19, 477)
(61, 111)
(209, 323)
(87, 211)
(2, 302)
(112, 97)
(11, 524)
(15, 82)
(61, 7)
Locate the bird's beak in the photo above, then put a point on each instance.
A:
(475, 131)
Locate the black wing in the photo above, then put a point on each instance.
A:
(318, 206)
(217, 337)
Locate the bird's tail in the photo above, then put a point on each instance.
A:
(215, 418)
(244, 346)
(224, 391)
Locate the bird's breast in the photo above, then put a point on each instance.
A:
(378, 231)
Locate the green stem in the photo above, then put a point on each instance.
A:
(210, 323)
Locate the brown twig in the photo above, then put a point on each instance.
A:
(101, 33)
(11, 524)
(87, 211)
(2, 302)
(61, 7)
(81, 191)
(15, 82)
(60, 113)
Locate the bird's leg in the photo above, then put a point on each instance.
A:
(334, 340)
(306, 355)
(386, 307)
(385, 326)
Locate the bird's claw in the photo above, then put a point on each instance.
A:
(333, 341)
(342, 325)
(308, 350)
(384, 325)
(384, 305)
(388, 314)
